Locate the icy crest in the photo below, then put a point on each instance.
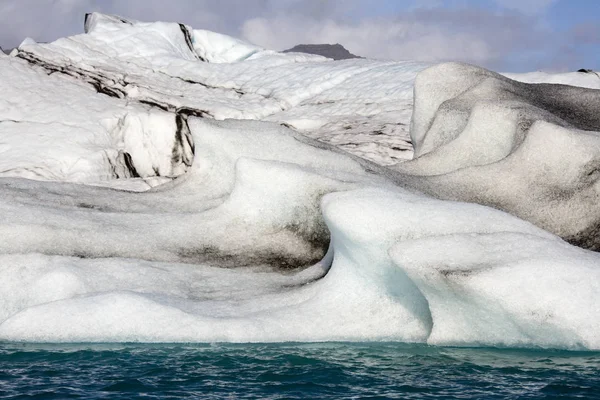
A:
(260, 233)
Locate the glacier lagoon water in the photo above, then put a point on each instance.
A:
(292, 371)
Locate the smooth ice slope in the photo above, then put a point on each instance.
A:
(505, 288)
(217, 48)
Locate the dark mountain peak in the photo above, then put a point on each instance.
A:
(335, 51)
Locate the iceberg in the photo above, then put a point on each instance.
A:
(165, 184)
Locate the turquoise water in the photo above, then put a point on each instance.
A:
(292, 371)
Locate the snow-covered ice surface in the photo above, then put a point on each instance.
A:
(139, 201)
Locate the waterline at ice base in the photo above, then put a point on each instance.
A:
(165, 184)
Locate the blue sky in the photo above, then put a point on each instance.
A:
(505, 35)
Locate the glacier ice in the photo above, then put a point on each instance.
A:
(54, 128)
(472, 126)
(141, 200)
(505, 289)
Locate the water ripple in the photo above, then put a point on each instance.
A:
(293, 371)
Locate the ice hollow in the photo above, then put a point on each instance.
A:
(530, 149)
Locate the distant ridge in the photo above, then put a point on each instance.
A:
(335, 51)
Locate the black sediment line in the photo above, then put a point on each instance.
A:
(110, 87)
(96, 80)
(100, 88)
(188, 41)
(238, 91)
(129, 165)
(183, 133)
(193, 112)
(186, 111)
(164, 107)
(224, 259)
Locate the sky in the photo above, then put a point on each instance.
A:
(503, 35)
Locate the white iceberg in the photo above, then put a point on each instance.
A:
(250, 231)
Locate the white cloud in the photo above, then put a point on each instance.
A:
(407, 38)
(46, 20)
(456, 31)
